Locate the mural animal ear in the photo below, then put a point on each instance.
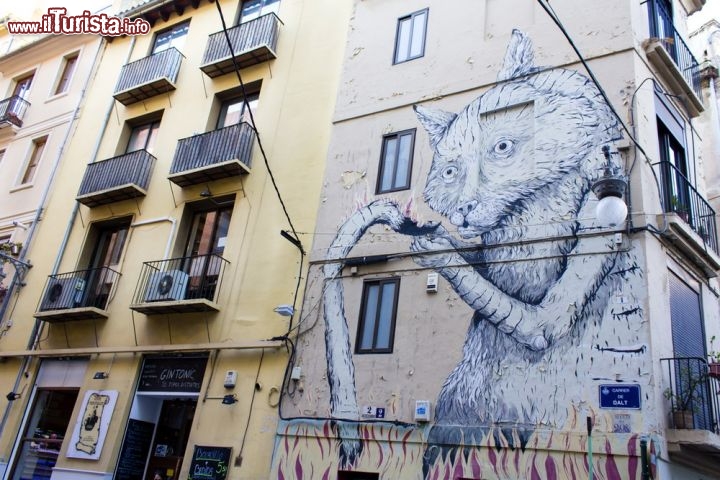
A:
(435, 122)
(518, 57)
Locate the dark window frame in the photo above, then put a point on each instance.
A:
(173, 29)
(69, 65)
(31, 167)
(362, 319)
(382, 165)
(411, 17)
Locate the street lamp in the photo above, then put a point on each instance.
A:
(609, 189)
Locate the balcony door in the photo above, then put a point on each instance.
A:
(252, 9)
(142, 137)
(204, 249)
(22, 87)
(675, 173)
(107, 250)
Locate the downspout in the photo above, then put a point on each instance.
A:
(36, 330)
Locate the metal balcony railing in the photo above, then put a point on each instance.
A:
(218, 154)
(690, 388)
(82, 289)
(679, 196)
(179, 285)
(252, 42)
(117, 178)
(148, 76)
(12, 110)
(662, 27)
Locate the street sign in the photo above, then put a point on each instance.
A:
(623, 396)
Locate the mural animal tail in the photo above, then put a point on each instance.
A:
(341, 371)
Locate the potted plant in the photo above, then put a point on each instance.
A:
(713, 360)
(686, 399)
(679, 207)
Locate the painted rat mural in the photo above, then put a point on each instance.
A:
(511, 173)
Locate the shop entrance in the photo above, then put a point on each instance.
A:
(161, 416)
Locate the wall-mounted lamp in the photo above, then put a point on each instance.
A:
(609, 189)
(206, 193)
(12, 396)
(229, 399)
(15, 249)
(101, 375)
(19, 225)
(284, 310)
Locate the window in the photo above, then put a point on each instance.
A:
(376, 329)
(142, 137)
(252, 9)
(67, 71)
(410, 37)
(173, 37)
(396, 161)
(37, 151)
(22, 86)
(235, 110)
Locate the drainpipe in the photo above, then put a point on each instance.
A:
(36, 330)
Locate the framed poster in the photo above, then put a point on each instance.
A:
(92, 424)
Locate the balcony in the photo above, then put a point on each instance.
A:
(693, 397)
(179, 285)
(12, 111)
(148, 77)
(210, 156)
(691, 219)
(79, 295)
(252, 42)
(669, 53)
(114, 179)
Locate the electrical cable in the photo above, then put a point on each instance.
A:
(252, 119)
(252, 401)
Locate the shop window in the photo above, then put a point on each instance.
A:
(376, 329)
(173, 37)
(410, 37)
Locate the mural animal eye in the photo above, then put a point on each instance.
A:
(449, 173)
(504, 147)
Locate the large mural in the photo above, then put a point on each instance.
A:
(553, 303)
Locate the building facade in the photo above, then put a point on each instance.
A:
(473, 310)
(144, 343)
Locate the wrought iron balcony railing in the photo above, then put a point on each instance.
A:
(679, 196)
(148, 76)
(179, 285)
(12, 111)
(691, 389)
(117, 178)
(663, 29)
(218, 154)
(252, 42)
(78, 295)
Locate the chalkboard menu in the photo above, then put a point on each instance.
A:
(172, 374)
(209, 463)
(135, 449)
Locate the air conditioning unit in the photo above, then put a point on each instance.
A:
(166, 286)
(63, 293)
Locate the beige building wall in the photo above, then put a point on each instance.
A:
(262, 269)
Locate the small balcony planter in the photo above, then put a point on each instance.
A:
(714, 370)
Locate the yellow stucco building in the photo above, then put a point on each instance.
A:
(144, 342)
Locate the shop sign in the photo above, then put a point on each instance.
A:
(209, 463)
(92, 425)
(172, 374)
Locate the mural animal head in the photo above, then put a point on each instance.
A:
(513, 143)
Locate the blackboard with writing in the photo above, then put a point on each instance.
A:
(135, 449)
(209, 463)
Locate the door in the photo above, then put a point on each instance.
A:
(171, 437)
(105, 262)
(204, 250)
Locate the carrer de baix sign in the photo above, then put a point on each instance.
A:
(172, 374)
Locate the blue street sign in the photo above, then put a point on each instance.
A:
(623, 396)
(380, 413)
